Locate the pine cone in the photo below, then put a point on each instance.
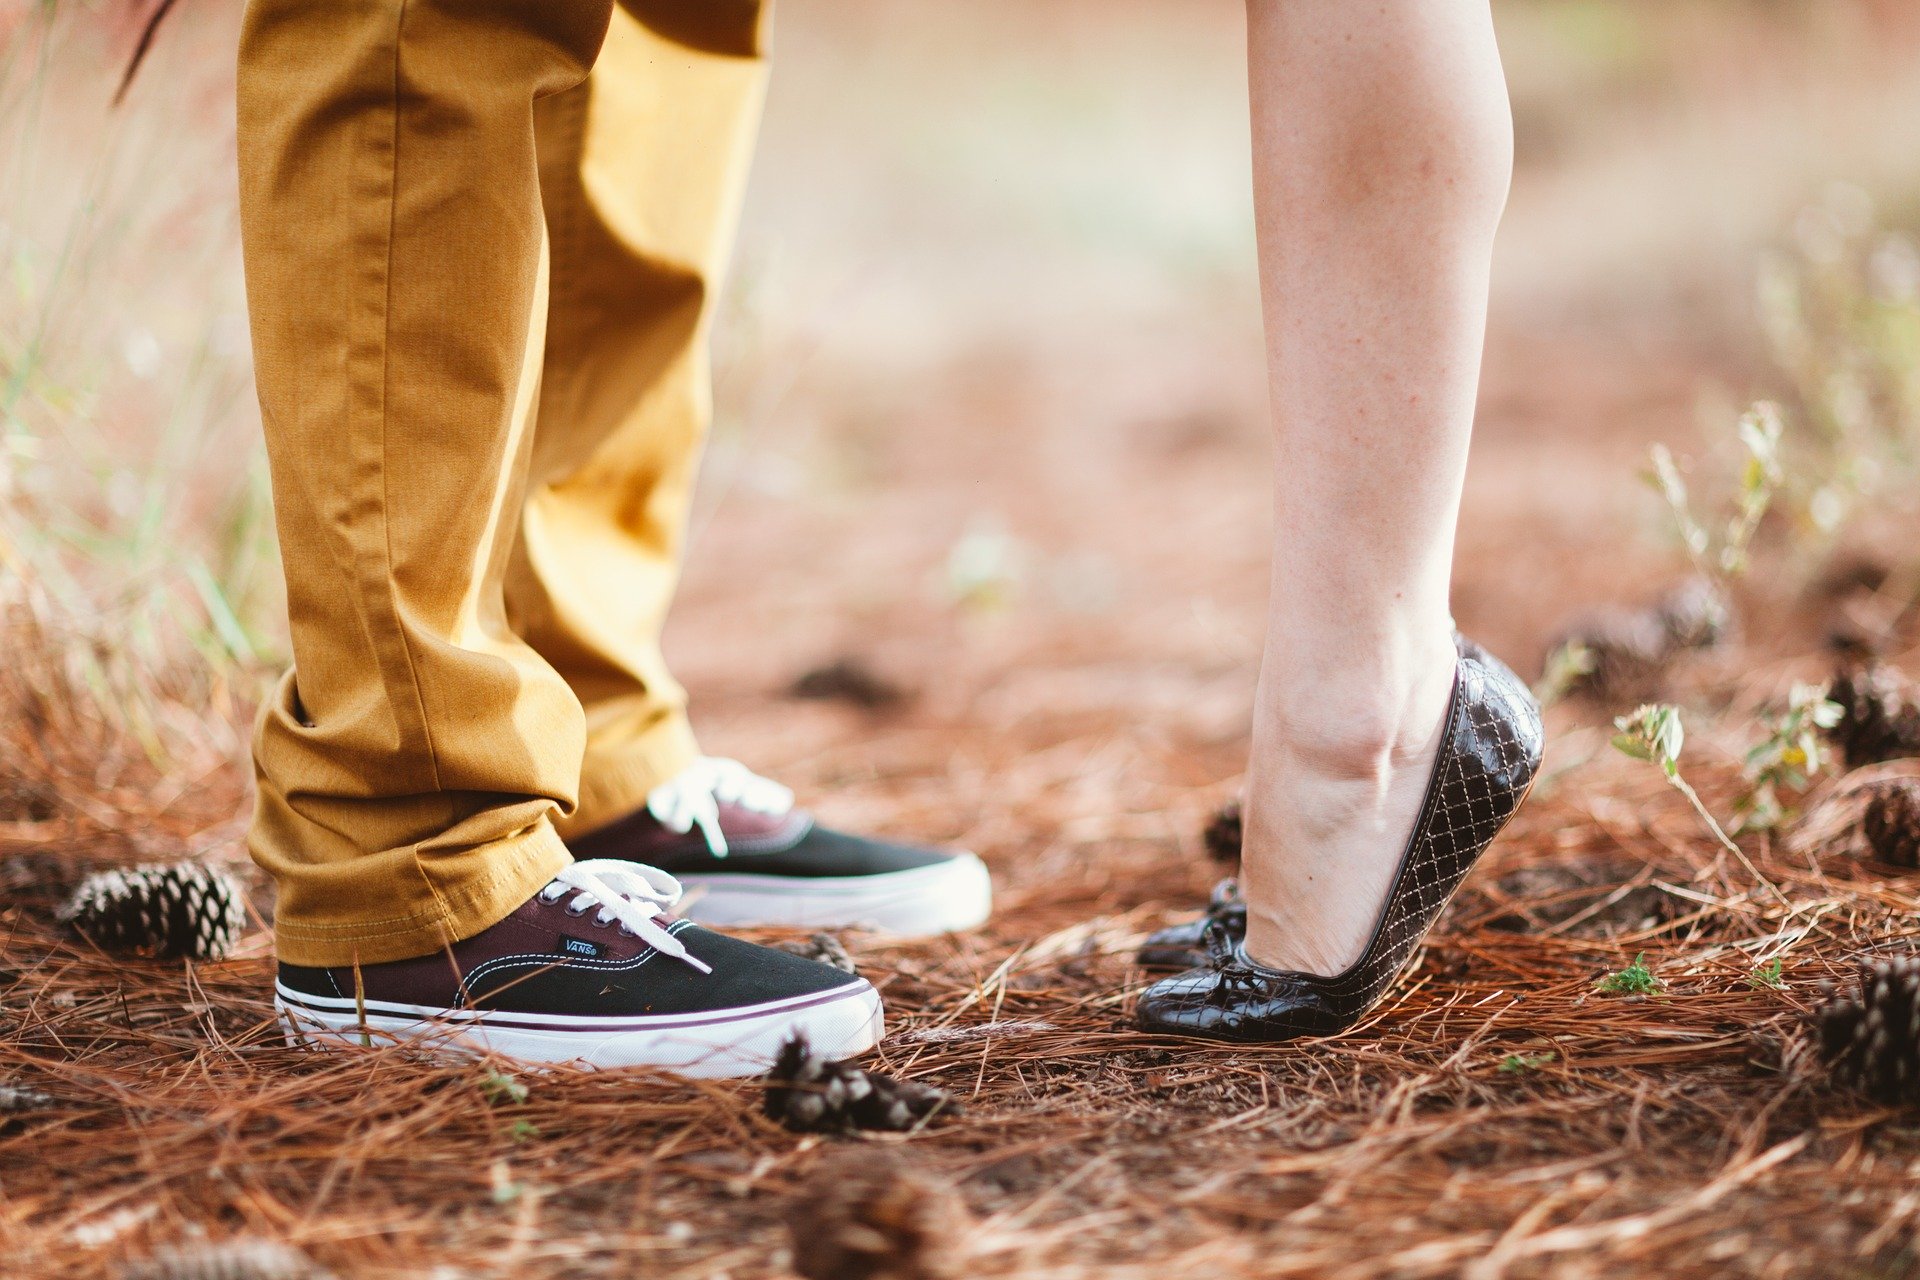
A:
(178, 909)
(42, 879)
(228, 1260)
(1630, 650)
(1223, 833)
(823, 948)
(1879, 718)
(19, 1100)
(1891, 823)
(812, 1094)
(868, 1216)
(848, 679)
(1870, 1041)
(1694, 615)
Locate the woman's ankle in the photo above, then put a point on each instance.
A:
(1351, 715)
(1333, 792)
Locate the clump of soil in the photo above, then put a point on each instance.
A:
(18, 1100)
(823, 948)
(1576, 900)
(228, 1260)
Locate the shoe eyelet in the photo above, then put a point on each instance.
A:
(580, 912)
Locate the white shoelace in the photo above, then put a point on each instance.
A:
(692, 798)
(630, 892)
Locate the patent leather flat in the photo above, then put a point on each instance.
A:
(1184, 945)
(1486, 764)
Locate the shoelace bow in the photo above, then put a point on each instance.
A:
(630, 892)
(692, 798)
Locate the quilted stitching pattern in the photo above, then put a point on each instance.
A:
(1487, 763)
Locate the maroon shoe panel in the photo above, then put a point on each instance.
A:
(535, 928)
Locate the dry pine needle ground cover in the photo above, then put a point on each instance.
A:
(1500, 1116)
(1503, 1114)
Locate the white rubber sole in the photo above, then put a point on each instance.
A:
(943, 897)
(732, 1042)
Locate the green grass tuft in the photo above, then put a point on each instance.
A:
(1635, 980)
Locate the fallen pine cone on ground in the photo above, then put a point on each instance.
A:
(19, 1100)
(812, 1094)
(848, 679)
(1628, 651)
(1870, 1040)
(1834, 824)
(1891, 823)
(821, 947)
(228, 1260)
(1694, 615)
(1879, 715)
(1223, 833)
(177, 909)
(868, 1216)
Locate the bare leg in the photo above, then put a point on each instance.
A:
(1382, 152)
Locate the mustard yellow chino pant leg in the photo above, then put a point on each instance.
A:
(414, 763)
(642, 167)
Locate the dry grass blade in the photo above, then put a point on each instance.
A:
(147, 33)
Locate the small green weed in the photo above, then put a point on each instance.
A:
(1567, 666)
(1634, 980)
(1520, 1063)
(501, 1089)
(1767, 975)
(1721, 555)
(1791, 755)
(505, 1188)
(1654, 733)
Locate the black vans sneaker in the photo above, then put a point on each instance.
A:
(747, 856)
(591, 971)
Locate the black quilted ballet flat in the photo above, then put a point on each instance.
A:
(1487, 762)
(1184, 945)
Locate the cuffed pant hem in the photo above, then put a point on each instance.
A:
(616, 779)
(516, 869)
